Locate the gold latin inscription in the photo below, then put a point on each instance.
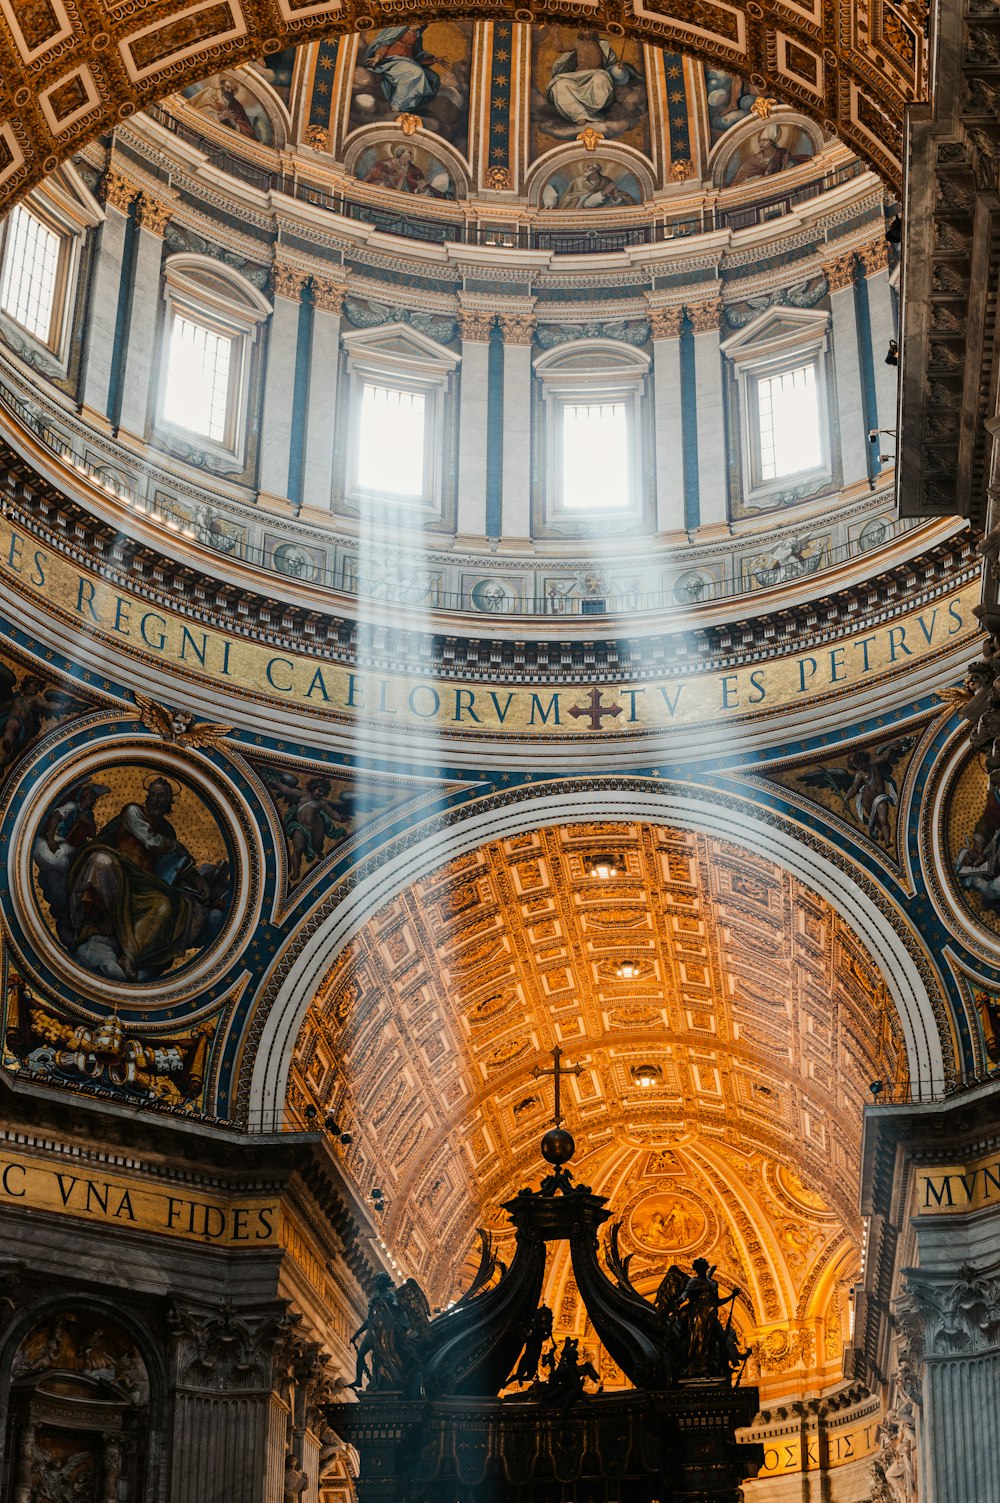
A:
(168, 640)
(957, 1189)
(117, 1200)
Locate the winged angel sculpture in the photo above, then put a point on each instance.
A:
(178, 726)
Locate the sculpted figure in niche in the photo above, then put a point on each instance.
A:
(296, 1480)
(128, 900)
(584, 80)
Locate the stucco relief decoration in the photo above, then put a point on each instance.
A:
(132, 871)
(87, 1388)
(667, 1223)
(43, 1042)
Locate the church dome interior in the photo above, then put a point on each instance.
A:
(499, 752)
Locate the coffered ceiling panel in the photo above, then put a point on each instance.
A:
(726, 1023)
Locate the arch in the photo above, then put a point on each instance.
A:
(387, 877)
(60, 95)
(209, 281)
(562, 158)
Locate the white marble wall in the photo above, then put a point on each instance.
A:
(103, 314)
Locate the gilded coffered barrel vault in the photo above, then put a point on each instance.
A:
(699, 988)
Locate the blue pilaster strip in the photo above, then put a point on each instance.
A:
(500, 95)
(677, 108)
(866, 363)
(494, 434)
(689, 428)
(123, 316)
(300, 399)
(322, 90)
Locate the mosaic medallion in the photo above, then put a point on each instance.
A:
(131, 870)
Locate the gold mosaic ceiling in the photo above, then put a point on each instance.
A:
(747, 999)
(71, 70)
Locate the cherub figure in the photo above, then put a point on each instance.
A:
(314, 817)
(23, 708)
(866, 785)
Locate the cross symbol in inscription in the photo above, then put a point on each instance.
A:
(557, 1072)
(595, 710)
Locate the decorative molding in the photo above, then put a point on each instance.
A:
(498, 179)
(517, 328)
(153, 214)
(706, 316)
(117, 190)
(288, 281)
(328, 295)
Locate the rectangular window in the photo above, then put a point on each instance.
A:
(595, 456)
(31, 273)
(391, 429)
(199, 365)
(789, 423)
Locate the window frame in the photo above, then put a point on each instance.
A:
(70, 240)
(399, 358)
(588, 372)
(199, 290)
(781, 341)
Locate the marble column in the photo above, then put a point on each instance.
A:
(138, 380)
(473, 412)
(518, 332)
(105, 294)
(668, 457)
(321, 409)
(279, 384)
(712, 482)
(875, 258)
(847, 366)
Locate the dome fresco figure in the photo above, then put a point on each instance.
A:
(440, 641)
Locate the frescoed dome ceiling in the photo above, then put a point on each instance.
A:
(558, 117)
(708, 971)
(69, 76)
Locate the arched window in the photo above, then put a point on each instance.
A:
(592, 439)
(211, 324)
(779, 365)
(42, 241)
(400, 384)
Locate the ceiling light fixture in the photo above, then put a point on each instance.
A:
(626, 970)
(605, 866)
(647, 1076)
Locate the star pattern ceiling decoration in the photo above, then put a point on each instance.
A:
(70, 71)
(762, 1016)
